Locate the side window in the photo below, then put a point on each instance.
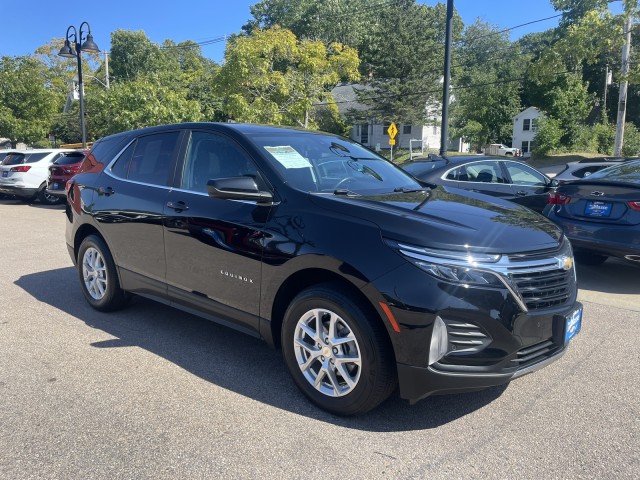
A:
(454, 174)
(210, 156)
(121, 167)
(152, 158)
(522, 175)
(485, 172)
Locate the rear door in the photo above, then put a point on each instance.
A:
(214, 246)
(129, 205)
(530, 187)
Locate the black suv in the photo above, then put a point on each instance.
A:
(364, 277)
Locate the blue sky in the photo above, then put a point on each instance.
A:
(30, 24)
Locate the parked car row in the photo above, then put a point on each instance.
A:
(595, 201)
(38, 173)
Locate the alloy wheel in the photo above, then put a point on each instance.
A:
(94, 273)
(327, 352)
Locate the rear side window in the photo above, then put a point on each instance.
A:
(36, 157)
(149, 159)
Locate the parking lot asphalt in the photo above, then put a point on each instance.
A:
(151, 392)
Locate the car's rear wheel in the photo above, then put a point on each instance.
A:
(47, 198)
(339, 357)
(98, 276)
(589, 258)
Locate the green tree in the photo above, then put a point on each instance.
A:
(28, 102)
(487, 97)
(271, 77)
(137, 104)
(133, 54)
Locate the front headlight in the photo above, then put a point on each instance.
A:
(454, 266)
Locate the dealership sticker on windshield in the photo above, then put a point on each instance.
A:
(288, 157)
(574, 322)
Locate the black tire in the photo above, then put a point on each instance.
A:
(589, 258)
(47, 199)
(106, 294)
(370, 383)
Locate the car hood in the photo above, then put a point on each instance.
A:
(450, 218)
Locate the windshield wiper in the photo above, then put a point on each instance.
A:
(345, 192)
(411, 189)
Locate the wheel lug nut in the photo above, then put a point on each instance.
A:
(322, 357)
(335, 350)
(333, 361)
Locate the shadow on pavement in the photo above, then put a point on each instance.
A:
(614, 276)
(232, 360)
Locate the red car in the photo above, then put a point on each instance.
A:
(62, 170)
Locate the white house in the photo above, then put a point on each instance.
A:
(373, 133)
(525, 127)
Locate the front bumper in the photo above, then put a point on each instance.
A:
(491, 340)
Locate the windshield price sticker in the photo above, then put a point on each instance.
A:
(288, 157)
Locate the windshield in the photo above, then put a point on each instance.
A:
(323, 163)
(623, 172)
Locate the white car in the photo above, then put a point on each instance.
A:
(24, 173)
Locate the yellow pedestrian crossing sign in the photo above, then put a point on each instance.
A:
(392, 131)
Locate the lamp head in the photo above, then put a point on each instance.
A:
(67, 50)
(89, 45)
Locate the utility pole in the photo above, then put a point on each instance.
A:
(607, 82)
(444, 130)
(622, 99)
(106, 68)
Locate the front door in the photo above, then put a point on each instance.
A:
(214, 246)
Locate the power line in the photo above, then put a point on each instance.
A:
(509, 29)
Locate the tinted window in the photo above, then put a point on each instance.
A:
(152, 158)
(523, 175)
(457, 174)
(484, 172)
(14, 159)
(121, 167)
(36, 157)
(69, 158)
(624, 172)
(211, 156)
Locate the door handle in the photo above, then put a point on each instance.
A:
(178, 206)
(106, 191)
(521, 194)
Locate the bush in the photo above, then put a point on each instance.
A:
(631, 143)
(548, 137)
(605, 137)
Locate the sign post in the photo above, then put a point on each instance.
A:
(392, 131)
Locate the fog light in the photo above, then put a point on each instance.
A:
(439, 341)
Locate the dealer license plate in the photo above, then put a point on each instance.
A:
(574, 322)
(598, 209)
(55, 186)
(5, 174)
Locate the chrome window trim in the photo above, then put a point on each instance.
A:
(444, 175)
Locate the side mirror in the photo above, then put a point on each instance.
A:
(554, 182)
(238, 188)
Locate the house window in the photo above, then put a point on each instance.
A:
(526, 125)
(525, 146)
(364, 133)
(385, 128)
(534, 125)
(406, 129)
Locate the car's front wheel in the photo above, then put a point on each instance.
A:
(98, 276)
(338, 356)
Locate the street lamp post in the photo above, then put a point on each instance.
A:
(70, 50)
